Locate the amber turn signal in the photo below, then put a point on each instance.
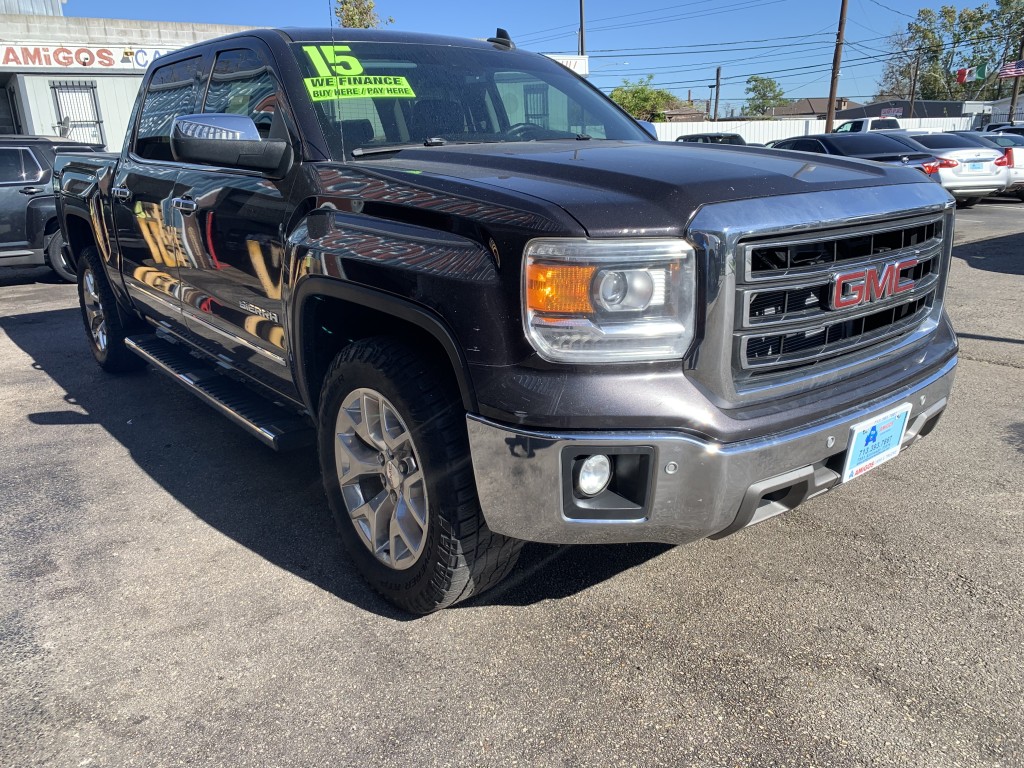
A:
(559, 288)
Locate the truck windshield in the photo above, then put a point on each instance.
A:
(369, 96)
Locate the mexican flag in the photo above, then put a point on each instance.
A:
(971, 74)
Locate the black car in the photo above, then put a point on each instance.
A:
(29, 232)
(882, 148)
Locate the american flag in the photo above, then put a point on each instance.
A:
(1012, 69)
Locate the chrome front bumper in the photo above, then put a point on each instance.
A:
(715, 489)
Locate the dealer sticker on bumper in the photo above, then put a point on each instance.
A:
(875, 441)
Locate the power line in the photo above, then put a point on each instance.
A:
(893, 10)
(862, 61)
(745, 5)
(572, 27)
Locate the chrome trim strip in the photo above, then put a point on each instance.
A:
(191, 314)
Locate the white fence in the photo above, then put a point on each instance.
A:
(763, 131)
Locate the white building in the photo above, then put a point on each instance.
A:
(78, 77)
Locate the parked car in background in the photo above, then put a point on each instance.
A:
(1017, 128)
(868, 124)
(29, 231)
(875, 146)
(713, 138)
(1012, 146)
(968, 171)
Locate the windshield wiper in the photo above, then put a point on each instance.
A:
(362, 151)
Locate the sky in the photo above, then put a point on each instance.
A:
(679, 43)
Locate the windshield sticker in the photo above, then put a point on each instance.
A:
(340, 76)
(361, 86)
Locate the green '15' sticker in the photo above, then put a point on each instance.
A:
(340, 76)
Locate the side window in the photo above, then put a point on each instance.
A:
(18, 166)
(171, 94)
(241, 84)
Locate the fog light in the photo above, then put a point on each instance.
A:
(593, 474)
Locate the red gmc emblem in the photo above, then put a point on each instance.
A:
(868, 285)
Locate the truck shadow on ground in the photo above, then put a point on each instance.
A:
(271, 503)
(1004, 255)
(11, 276)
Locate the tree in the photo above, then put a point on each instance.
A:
(360, 14)
(643, 101)
(763, 95)
(939, 42)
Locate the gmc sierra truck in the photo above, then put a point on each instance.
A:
(499, 308)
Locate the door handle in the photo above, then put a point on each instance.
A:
(184, 204)
(30, 190)
(121, 193)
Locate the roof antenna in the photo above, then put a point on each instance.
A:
(501, 37)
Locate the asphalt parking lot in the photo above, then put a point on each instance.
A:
(172, 593)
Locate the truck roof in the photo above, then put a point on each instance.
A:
(349, 34)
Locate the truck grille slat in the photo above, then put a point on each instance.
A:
(787, 287)
(775, 260)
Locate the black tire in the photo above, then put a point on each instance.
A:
(105, 326)
(56, 260)
(968, 202)
(1020, 195)
(458, 555)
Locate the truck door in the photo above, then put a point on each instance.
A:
(234, 237)
(146, 195)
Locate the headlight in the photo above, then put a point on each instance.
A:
(597, 301)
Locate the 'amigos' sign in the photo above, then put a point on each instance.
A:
(22, 57)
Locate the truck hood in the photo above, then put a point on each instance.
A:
(615, 188)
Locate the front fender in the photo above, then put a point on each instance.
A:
(313, 287)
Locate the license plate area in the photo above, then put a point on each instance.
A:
(975, 167)
(876, 440)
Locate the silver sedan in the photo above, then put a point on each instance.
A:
(968, 172)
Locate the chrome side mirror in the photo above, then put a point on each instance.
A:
(227, 140)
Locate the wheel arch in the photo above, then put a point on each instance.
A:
(78, 233)
(327, 315)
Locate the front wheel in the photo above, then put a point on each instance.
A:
(968, 202)
(395, 461)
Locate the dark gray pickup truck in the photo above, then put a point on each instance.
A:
(498, 307)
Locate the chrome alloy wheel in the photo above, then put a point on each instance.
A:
(381, 478)
(94, 317)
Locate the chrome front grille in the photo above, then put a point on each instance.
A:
(789, 314)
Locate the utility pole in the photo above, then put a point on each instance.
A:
(583, 33)
(913, 84)
(837, 60)
(718, 89)
(1016, 82)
